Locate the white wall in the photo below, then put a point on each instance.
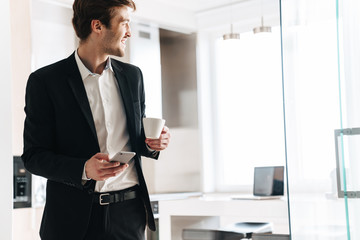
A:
(20, 66)
(5, 125)
(52, 32)
(165, 15)
(144, 51)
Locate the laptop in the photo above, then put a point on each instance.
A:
(268, 184)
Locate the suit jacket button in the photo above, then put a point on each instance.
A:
(90, 191)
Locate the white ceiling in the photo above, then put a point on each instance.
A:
(192, 15)
(194, 6)
(199, 5)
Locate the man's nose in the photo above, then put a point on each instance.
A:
(128, 31)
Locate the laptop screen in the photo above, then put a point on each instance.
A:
(268, 181)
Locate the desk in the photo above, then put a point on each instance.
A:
(215, 210)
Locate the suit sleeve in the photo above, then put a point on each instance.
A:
(147, 152)
(39, 156)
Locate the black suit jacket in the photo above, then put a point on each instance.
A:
(60, 136)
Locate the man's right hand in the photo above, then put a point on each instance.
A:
(99, 167)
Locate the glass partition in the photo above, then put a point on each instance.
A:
(348, 36)
(321, 84)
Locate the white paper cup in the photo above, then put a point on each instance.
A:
(153, 127)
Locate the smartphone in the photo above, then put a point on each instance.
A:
(122, 157)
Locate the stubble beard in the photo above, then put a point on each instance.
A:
(114, 51)
(112, 46)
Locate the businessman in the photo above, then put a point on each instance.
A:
(81, 111)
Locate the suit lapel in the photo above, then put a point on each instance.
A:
(78, 89)
(127, 97)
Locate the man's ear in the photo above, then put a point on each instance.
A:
(96, 26)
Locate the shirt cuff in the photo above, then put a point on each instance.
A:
(84, 177)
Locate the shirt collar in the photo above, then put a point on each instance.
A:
(84, 71)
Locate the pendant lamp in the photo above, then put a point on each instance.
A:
(231, 35)
(262, 28)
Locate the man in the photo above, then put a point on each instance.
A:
(80, 111)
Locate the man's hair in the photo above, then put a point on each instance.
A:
(87, 10)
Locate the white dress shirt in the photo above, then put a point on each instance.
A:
(109, 116)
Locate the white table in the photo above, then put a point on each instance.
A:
(215, 210)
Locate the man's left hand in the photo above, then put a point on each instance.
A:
(161, 143)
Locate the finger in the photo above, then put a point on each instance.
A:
(103, 178)
(165, 135)
(151, 140)
(106, 176)
(158, 146)
(165, 129)
(153, 143)
(113, 171)
(102, 156)
(122, 167)
(105, 164)
(161, 141)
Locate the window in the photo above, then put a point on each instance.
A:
(248, 108)
(312, 103)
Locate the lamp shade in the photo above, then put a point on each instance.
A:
(231, 36)
(261, 29)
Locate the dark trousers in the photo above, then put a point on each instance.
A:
(118, 221)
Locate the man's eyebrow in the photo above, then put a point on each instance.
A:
(124, 20)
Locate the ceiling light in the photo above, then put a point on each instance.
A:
(262, 28)
(231, 35)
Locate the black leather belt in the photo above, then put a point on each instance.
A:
(114, 197)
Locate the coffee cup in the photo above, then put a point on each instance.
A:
(153, 127)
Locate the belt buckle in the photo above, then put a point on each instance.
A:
(101, 200)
